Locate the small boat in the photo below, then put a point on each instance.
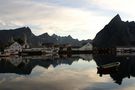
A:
(110, 65)
(108, 68)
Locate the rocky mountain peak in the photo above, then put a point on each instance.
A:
(116, 19)
(116, 33)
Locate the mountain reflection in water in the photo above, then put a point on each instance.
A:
(76, 72)
(24, 65)
(125, 69)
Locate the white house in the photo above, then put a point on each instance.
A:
(15, 48)
(87, 46)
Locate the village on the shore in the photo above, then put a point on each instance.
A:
(16, 48)
(22, 47)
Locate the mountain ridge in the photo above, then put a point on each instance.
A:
(36, 41)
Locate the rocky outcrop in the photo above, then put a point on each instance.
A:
(116, 33)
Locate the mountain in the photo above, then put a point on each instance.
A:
(47, 38)
(25, 33)
(66, 40)
(7, 36)
(25, 66)
(116, 33)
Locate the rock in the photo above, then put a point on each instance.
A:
(116, 33)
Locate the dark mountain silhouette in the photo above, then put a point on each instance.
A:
(46, 38)
(65, 39)
(116, 33)
(69, 40)
(6, 36)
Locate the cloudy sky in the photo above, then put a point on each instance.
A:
(81, 19)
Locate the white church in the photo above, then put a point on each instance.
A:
(15, 48)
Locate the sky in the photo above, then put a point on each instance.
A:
(82, 19)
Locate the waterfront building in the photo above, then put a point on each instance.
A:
(14, 48)
(86, 47)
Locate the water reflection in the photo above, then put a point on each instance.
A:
(24, 65)
(46, 73)
(76, 72)
(126, 69)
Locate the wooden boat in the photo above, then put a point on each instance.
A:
(108, 68)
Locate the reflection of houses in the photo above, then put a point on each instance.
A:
(125, 51)
(16, 60)
(14, 66)
(88, 57)
(24, 65)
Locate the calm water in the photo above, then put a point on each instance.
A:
(65, 73)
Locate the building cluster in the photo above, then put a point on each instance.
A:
(85, 47)
(15, 48)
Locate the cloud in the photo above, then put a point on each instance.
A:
(63, 77)
(80, 75)
(123, 7)
(80, 18)
(48, 17)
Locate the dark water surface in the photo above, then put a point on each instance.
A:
(78, 72)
